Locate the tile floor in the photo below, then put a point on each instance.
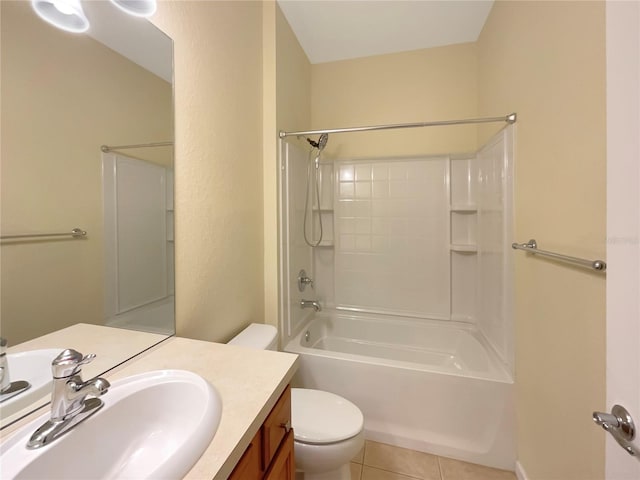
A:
(379, 461)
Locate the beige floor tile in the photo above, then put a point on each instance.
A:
(370, 473)
(401, 460)
(356, 471)
(359, 458)
(457, 470)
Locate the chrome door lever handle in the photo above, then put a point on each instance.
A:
(620, 425)
(606, 420)
(619, 419)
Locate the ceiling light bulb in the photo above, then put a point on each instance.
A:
(137, 8)
(64, 14)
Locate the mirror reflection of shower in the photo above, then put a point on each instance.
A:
(313, 171)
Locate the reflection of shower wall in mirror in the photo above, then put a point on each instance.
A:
(62, 97)
(138, 245)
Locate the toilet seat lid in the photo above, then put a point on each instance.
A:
(323, 417)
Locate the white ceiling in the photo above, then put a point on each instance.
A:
(133, 37)
(330, 30)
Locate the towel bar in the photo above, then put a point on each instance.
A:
(532, 247)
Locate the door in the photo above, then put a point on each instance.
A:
(623, 225)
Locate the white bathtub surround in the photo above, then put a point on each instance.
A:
(494, 199)
(417, 271)
(299, 254)
(427, 386)
(427, 237)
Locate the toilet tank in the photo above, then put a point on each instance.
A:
(257, 335)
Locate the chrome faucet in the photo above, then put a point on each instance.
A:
(8, 388)
(311, 304)
(69, 402)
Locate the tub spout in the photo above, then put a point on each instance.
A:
(311, 304)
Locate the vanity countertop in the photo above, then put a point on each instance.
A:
(249, 382)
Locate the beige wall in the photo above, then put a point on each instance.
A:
(545, 60)
(218, 173)
(62, 97)
(293, 95)
(418, 86)
(286, 107)
(270, 162)
(293, 79)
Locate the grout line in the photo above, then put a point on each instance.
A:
(391, 471)
(361, 469)
(440, 468)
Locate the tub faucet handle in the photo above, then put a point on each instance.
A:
(303, 280)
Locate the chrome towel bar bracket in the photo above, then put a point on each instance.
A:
(532, 247)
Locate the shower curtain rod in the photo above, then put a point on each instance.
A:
(108, 148)
(511, 118)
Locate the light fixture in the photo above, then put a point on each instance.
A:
(64, 14)
(138, 8)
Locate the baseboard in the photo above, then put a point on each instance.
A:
(520, 473)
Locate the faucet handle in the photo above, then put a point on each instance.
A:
(68, 363)
(3, 345)
(303, 280)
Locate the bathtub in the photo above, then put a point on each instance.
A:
(425, 385)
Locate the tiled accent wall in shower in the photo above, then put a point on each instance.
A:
(392, 236)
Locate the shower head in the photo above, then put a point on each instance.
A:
(321, 143)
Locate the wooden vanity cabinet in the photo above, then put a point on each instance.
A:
(269, 456)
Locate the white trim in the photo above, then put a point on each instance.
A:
(520, 473)
(623, 226)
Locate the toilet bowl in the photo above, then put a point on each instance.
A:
(327, 429)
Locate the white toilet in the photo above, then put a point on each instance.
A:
(328, 429)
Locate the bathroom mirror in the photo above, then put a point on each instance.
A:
(65, 95)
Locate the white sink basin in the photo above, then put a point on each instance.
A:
(154, 425)
(34, 367)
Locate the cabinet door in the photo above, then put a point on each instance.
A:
(283, 466)
(250, 465)
(275, 427)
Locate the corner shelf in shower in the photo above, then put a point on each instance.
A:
(325, 245)
(469, 208)
(464, 248)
